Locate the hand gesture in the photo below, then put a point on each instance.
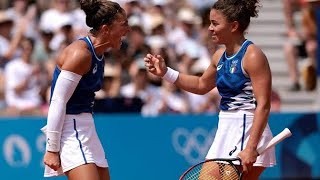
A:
(155, 65)
(52, 159)
(248, 157)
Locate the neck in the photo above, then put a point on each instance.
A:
(99, 45)
(234, 46)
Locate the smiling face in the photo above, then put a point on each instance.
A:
(220, 29)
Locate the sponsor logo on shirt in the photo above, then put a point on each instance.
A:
(95, 69)
(233, 67)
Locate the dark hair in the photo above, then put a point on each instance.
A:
(99, 12)
(29, 40)
(238, 10)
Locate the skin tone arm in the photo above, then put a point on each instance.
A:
(75, 58)
(190, 83)
(289, 20)
(257, 67)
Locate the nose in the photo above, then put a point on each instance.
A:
(210, 28)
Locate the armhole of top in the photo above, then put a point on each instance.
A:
(242, 68)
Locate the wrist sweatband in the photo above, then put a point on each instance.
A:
(53, 141)
(171, 75)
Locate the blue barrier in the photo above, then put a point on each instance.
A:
(158, 148)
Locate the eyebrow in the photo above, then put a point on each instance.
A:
(213, 20)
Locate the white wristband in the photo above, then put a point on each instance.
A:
(53, 141)
(171, 75)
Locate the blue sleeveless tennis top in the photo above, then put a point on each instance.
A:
(233, 83)
(82, 100)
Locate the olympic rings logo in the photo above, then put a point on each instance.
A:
(192, 145)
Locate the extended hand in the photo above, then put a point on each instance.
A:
(155, 65)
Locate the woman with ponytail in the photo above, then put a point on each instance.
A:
(73, 147)
(241, 72)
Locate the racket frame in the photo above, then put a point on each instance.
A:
(274, 141)
(228, 161)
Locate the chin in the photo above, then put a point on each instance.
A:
(216, 41)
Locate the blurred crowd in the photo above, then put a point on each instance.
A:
(32, 33)
(301, 46)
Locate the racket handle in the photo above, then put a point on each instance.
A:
(275, 140)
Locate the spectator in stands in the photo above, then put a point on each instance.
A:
(141, 88)
(299, 44)
(43, 52)
(174, 100)
(207, 103)
(22, 82)
(8, 47)
(62, 15)
(136, 43)
(309, 30)
(22, 10)
(6, 25)
(112, 81)
(275, 101)
(52, 18)
(5, 28)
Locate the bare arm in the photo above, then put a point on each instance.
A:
(309, 27)
(190, 83)
(196, 84)
(257, 67)
(288, 14)
(74, 61)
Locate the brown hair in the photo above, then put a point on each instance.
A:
(238, 10)
(99, 12)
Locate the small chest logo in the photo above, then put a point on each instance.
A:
(233, 67)
(219, 67)
(95, 69)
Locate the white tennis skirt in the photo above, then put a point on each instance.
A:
(233, 134)
(80, 145)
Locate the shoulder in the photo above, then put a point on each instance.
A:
(78, 48)
(76, 58)
(255, 59)
(217, 55)
(254, 53)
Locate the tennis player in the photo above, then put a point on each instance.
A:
(241, 72)
(73, 147)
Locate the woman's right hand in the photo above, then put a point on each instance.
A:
(52, 159)
(155, 65)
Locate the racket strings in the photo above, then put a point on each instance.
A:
(212, 171)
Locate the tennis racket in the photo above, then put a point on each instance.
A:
(225, 169)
